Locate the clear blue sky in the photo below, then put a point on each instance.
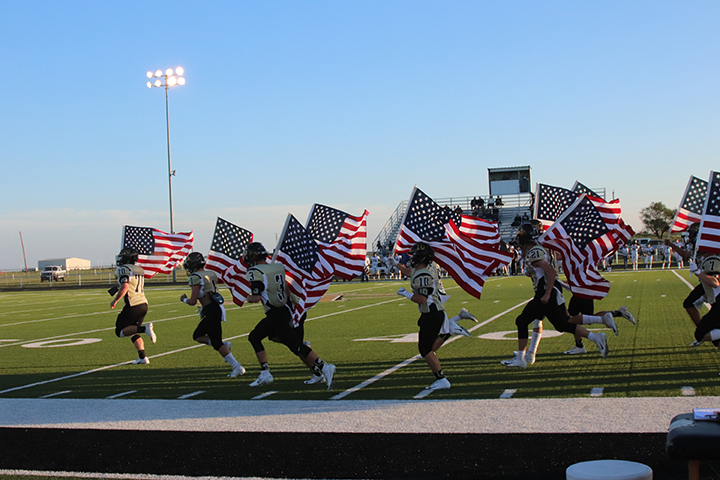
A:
(348, 104)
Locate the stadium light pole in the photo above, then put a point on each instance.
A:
(167, 79)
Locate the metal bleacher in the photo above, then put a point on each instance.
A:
(512, 204)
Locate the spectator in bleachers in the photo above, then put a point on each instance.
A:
(498, 201)
(459, 210)
(517, 220)
(525, 217)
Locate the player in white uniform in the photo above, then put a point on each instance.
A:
(708, 329)
(131, 288)
(648, 257)
(203, 285)
(634, 255)
(427, 292)
(268, 286)
(548, 300)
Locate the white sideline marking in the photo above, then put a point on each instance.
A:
(118, 395)
(266, 394)
(597, 392)
(50, 395)
(407, 362)
(190, 395)
(688, 391)
(690, 285)
(508, 393)
(121, 476)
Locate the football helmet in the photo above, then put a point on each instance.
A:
(127, 256)
(254, 253)
(529, 232)
(711, 265)
(421, 253)
(194, 262)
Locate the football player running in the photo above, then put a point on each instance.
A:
(548, 300)
(708, 329)
(131, 288)
(269, 287)
(427, 292)
(203, 289)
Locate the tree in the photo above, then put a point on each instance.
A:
(657, 218)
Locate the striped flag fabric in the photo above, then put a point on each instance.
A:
(708, 239)
(225, 258)
(307, 271)
(582, 237)
(691, 205)
(467, 247)
(342, 239)
(159, 252)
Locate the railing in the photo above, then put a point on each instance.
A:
(390, 230)
(77, 278)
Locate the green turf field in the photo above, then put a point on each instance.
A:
(62, 344)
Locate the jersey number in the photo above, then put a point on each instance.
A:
(280, 280)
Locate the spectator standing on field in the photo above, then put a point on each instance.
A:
(131, 288)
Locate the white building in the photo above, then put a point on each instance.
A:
(71, 263)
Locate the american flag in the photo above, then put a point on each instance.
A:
(551, 202)
(467, 247)
(342, 239)
(582, 237)
(225, 258)
(581, 189)
(691, 205)
(708, 239)
(159, 252)
(307, 272)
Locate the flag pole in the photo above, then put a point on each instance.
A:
(281, 239)
(312, 209)
(405, 214)
(687, 189)
(537, 196)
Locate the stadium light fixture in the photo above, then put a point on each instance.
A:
(166, 80)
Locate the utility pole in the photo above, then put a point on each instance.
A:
(23, 249)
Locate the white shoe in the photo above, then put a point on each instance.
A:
(315, 379)
(465, 315)
(609, 322)
(696, 343)
(626, 314)
(602, 344)
(143, 361)
(576, 350)
(517, 361)
(237, 371)
(328, 371)
(151, 332)
(530, 357)
(265, 377)
(440, 384)
(227, 344)
(456, 329)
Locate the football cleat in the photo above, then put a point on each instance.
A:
(328, 371)
(609, 322)
(237, 371)
(576, 351)
(626, 314)
(456, 329)
(151, 332)
(517, 361)
(440, 384)
(530, 357)
(465, 315)
(696, 343)
(315, 379)
(264, 378)
(602, 344)
(143, 361)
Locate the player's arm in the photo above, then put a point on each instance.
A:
(194, 295)
(124, 287)
(257, 285)
(677, 249)
(550, 277)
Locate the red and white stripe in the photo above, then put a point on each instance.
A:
(233, 273)
(170, 250)
(347, 253)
